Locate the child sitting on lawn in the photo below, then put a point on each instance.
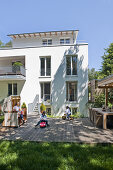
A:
(43, 118)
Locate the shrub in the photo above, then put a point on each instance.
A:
(17, 64)
(42, 107)
(23, 105)
(99, 100)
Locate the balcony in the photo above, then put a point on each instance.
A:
(12, 73)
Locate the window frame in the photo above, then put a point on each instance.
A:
(12, 89)
(71, 69)
(64, 39)
(68, 94)
(45, 65)
(42, 90)
(47, 41)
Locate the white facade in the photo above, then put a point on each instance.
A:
(28, 49)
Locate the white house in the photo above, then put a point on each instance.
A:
(54, 71)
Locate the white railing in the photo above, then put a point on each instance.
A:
(12, 70)
(31, 106)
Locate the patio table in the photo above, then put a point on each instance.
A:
(104, 114)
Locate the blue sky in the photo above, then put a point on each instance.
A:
(93, 18)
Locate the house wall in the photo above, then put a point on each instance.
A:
(4, 88)
(37, 41)
(31, 87)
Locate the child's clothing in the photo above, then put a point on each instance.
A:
(43, 118)
(68, 113)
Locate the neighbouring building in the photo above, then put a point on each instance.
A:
(49, 67)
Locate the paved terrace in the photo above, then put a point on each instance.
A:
(79, 130)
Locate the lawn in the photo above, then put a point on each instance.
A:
(54, 156)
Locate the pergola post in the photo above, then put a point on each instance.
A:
(106, 96)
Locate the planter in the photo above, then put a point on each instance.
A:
(25, 113)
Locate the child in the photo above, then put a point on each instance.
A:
(43, 118)
(68, 112)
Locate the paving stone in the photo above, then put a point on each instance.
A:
(79, 130)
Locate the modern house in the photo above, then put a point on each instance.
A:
(53, 70)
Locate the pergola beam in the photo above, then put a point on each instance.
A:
(14, 36)
(29, 35)
(19, 36)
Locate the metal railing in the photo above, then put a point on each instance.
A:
(10, 70)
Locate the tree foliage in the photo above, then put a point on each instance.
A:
(107, 63)
(92, 74)
(8, 44)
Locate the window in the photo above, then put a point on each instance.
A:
(47, 42)
(71, 65)
(61, 41)
(48, 111)
(45, 91)
(44, 42)
(12, 89)
(45, 66)
(65, 41)
(71, 91)
(9, 89)
(15, 89)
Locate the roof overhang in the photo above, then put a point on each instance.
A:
(107, 82)
(44, 34)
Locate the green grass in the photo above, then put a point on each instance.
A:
(54, 156)
(1, 118)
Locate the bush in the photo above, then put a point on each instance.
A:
(99, 100)
(42, 107)
(23, 105)
(17, 64)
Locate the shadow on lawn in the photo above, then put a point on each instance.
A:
(35, 156)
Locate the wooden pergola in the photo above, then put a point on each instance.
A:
(106, 83)
(44, 34)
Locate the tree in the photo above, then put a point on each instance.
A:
(107, 63)
(92, 74)
(8, 44)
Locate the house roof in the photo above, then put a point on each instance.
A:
(35, 34)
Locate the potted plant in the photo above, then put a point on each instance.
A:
(16, 66)
(24, 108)
(42, 108)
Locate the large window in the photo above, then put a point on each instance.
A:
(47, 42)
(71, 91)
(12, 89)
(45, 91)
(71, 65)
(45, 66)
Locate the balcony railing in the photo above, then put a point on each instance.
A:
(12, 70)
